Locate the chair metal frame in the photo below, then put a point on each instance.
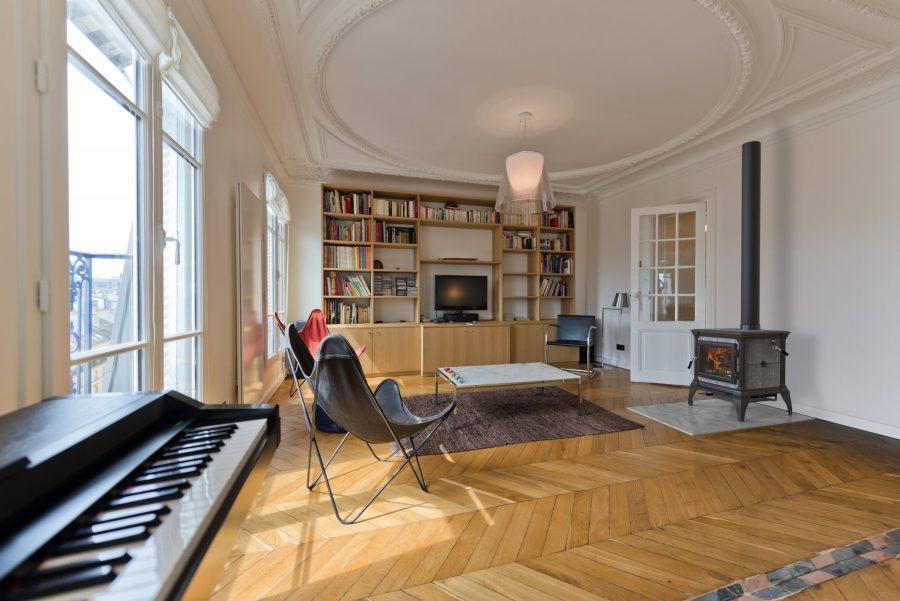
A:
(589, 370)
(314, 445)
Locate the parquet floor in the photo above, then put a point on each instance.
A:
(643, 514)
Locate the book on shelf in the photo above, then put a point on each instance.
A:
(514, 219)
(560, 242)
(346, 231)
(348, 285)
(346, 257)
(556, 264)
(341, 312)
(518, 240)
(558, 218)
(551, 287)
(351, 203)
(395, 233)
(458, 215)
(391, 207)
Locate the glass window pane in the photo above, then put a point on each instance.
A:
(667, 225)
(119, 373)
(648, 254)
(686, 283)
(181, 366)
(97, 39)
(687, 225)
(665, 281)
(645, 282)
(666, 254)
(665, 308)
(178, 122)
(687, 252)
(648, 227)
(103, 206)
(646, 308)
(180, 254)
(686, 310)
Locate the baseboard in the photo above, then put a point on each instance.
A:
(613, 362)
(269, 392)
(840, 418)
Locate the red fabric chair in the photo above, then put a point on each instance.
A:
(315, 330)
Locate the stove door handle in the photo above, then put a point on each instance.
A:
(691, 363)
(775, 347)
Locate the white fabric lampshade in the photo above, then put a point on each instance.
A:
(525, 187)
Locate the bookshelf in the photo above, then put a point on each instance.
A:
(381, 250)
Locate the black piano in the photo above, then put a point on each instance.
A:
(126, 496)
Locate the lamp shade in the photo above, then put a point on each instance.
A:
(620, 301)
(525, 187)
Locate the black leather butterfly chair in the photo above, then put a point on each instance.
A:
(573, 331)
(306, 366)
(340, 390)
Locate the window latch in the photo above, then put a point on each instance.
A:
(166, 240)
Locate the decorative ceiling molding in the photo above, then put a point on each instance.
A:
(725, 12)
(868, 10)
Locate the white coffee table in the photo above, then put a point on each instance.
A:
(504, 375)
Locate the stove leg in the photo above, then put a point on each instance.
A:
(692, 392)
(786, 396)
(740, 406)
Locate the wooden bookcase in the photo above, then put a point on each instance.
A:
(411, 234)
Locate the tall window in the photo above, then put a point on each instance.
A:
(134, 230)
(180, 222)
(277, 216)
(107, 134)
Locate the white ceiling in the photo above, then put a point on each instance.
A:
(432, 88)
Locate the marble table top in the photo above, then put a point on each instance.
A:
(505, 374)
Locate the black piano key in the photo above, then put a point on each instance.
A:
(213, 428)
(162, 476)
(192, 445)
(167, 464)
(191, 452)
(220, 435)
(184, 464)
(118, 514)
(67, 564)
(145, 488)
(144, 519)
(64, 582)
(165, 494)
(99, 541)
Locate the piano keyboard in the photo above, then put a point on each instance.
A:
(135, 541)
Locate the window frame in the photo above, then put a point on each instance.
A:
(279, 255)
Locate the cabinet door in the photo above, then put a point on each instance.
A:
(358, 337)
(395, 350)
(526, 343)
(493, 344)
(560, 354)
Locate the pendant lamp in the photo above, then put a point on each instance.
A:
(525, 187)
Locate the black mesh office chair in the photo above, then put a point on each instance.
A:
(573, 331)
(341, 391)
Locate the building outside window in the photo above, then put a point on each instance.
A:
(277, 218)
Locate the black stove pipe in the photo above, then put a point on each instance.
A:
(750, 236)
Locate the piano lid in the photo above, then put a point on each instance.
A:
(35, 433)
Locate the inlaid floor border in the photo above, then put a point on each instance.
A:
(802, 575)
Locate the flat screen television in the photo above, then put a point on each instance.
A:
(460, 292)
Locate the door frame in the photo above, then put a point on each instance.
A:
(708, 198)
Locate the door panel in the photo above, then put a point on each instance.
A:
(668, 283)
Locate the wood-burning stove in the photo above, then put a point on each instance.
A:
(746, 363)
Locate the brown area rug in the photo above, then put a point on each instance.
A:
(503, 417)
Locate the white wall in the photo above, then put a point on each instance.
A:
(830, 247)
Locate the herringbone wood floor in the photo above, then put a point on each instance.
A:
(642, 514)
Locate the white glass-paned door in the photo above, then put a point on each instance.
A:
(181, 247)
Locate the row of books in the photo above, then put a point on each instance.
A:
(387, 285)
(515, 219)
(346, 257)
(355, 203)
(459, 215)
(558, 218)
(523, 240)
(556, 264)
(551, 287)
(557, 243)
(348, 231)
(388, 207)
(348, 285)
(395, 233)
(337, 311)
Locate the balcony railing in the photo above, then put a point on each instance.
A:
(97, 320)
